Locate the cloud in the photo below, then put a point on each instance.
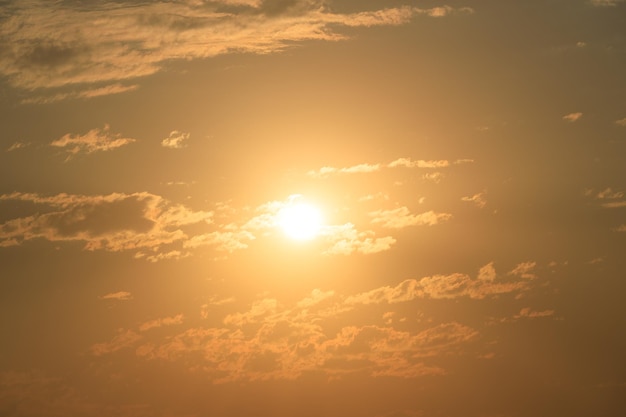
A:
(113, 222)
(528, 313)
(409, 163)
(355, 169)
(324, 332)
(165, 321)
(572, 117)
(87, 93)
(605, 3)
(120, 296)
(451, 286)
(123, 339)
(401, 217)
(93, 141)
(524, 270)
(435, 177)
(478, 199)
(328, 171)
(16, 146)
(345, 240)
(621, 122)
(286, 349)
(228, 241)
(608, 193)
(608, 196)
(175, 140)
(47, 46)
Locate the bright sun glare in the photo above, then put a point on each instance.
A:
(300, 221)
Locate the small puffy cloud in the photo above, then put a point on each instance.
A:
(572, 117)
(175, 140)
(119, 296)
(621, 228)
(528, 313)
(478, 199)
(93, 141)
(401, 217)
(621, 122)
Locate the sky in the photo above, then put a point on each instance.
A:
(315, 208)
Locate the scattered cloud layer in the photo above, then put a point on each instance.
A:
(157, 229)
(318, 333)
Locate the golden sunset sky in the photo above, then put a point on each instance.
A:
(313, 208)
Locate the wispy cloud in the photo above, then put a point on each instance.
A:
(608, 197)
(120, 296)
(605, 3)
(478, 199)
(401, 217)
(327, 171)
(47, 46)
(123, 339)
(16, 145)
(572, 117)
(175, 140)
(621, 122)
(165, 321)
(451, 286)
(93, 141)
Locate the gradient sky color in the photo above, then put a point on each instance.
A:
(468, 159)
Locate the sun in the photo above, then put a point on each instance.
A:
(300, 221)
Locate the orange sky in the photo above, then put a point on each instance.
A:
(466, 161)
